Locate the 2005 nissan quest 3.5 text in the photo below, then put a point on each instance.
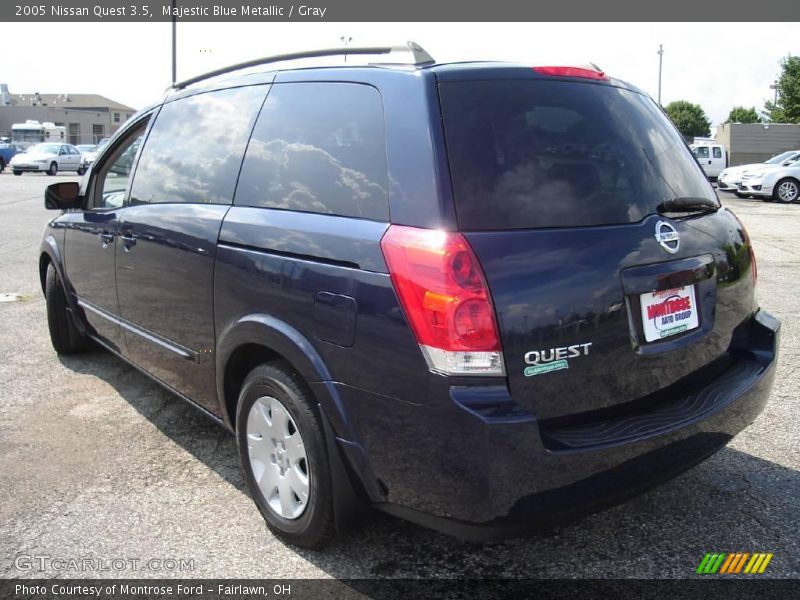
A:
(483, 297)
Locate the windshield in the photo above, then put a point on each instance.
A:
(44, 149)
(83, 148)
(779, 158)
(539, 153)
(27, 135)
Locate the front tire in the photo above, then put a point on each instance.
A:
(53, 170)
(2, 165)
(81, 171)
(17, 173)
(283, 454)
(741, 195)
(64, 334)
(786, 190)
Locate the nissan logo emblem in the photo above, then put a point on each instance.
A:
(668, 237)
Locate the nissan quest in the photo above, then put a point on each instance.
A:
(482, 297)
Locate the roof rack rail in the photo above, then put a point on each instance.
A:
(421, 57)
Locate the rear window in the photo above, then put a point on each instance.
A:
(527, 154)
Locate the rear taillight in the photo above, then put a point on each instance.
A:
(748, 241)
(445, 298)
(572, 72)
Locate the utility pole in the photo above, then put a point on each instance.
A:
(174, 44)
(774, 86)
(345, 39)
(660, 63)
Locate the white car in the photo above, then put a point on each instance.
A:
(782, 184)
(48, 157)
(89, 157)
(728, 180)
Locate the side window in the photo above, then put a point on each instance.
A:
(194, 149)
(63, 151)
(717, 152)
(112, 179)
(701, 152)
(318, 147)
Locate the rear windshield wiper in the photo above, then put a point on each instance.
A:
(688, 204)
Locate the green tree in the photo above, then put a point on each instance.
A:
(787, 108)
(689, 118)
(740, 114)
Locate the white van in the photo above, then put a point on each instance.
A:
(712, 157)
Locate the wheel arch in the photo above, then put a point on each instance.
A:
(259, 338)
(49, 254)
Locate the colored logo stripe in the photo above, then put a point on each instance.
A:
(733, 563)
(758, 563)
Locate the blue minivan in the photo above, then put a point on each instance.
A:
(483, 297)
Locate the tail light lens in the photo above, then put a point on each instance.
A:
(445, 298)
(748, 241)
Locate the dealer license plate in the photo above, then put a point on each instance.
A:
(669, 312)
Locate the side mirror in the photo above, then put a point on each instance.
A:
(62, 196)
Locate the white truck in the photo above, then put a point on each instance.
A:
(713, 157)
(33, 132)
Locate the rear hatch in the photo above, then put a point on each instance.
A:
(613, 272)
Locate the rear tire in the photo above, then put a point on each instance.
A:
(274, 413)
(81, 171)
(53, 170)
(786, 190)
(64, 335)
(2, 165)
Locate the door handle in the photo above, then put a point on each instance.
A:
(128, 241)
(106, 239)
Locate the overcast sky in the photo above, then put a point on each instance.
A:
(717, 65)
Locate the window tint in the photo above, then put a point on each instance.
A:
(533, 153)
(318, 147)
(194, 149)
(717, 152)
(112, 179)
(701, 152)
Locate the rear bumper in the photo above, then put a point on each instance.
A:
(484, 470)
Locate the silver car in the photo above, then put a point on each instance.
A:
(782, 184)
(729, 179)
(49, 158)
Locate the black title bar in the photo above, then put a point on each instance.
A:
(70, 11)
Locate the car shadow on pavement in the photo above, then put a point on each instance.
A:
(733, 502)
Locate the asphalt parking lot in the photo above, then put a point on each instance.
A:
(99, 462)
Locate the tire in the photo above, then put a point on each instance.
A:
(741, 195)
(53, 170)
(2, 165)
(786, 190)
(276, 409)
(64, 335)
(17, 173)
(81, 171)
